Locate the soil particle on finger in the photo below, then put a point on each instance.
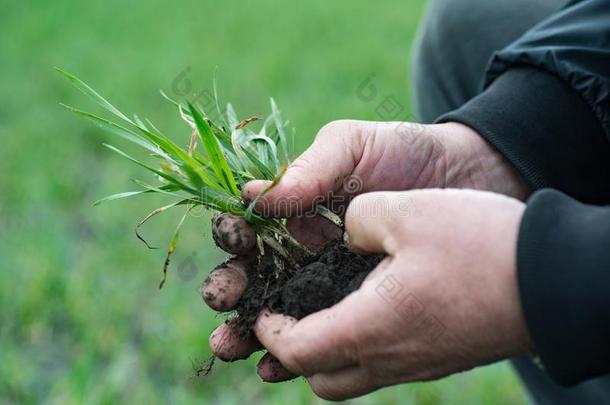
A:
(232, 233)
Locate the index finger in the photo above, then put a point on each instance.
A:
(319, 170)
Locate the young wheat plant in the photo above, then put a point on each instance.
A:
(219, 159)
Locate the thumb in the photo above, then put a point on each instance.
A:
(320, 170)
(380, 222)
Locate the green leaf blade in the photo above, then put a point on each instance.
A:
(215, 155)
(92, 94)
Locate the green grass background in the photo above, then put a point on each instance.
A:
(81, 319)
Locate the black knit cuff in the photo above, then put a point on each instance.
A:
(564, 284)
(545, 129)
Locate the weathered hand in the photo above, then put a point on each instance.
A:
(444, 300)
(346, 159)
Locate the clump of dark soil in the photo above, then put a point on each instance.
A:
(317, 283)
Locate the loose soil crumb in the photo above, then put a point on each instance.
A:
(319, 283)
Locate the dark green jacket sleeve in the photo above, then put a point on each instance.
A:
(546, 108)
(546, 102)
(574, 45)
(564, 281)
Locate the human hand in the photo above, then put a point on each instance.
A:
(444, 300)
(346, 159)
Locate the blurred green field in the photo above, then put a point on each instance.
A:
(81, 319)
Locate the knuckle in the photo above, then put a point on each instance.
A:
(346, 131)
(301, 184)
(333, 128)
(295, 188)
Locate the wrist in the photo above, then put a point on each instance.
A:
(471, 162)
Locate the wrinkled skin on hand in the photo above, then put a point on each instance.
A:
(347, 159)
(444, 300)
